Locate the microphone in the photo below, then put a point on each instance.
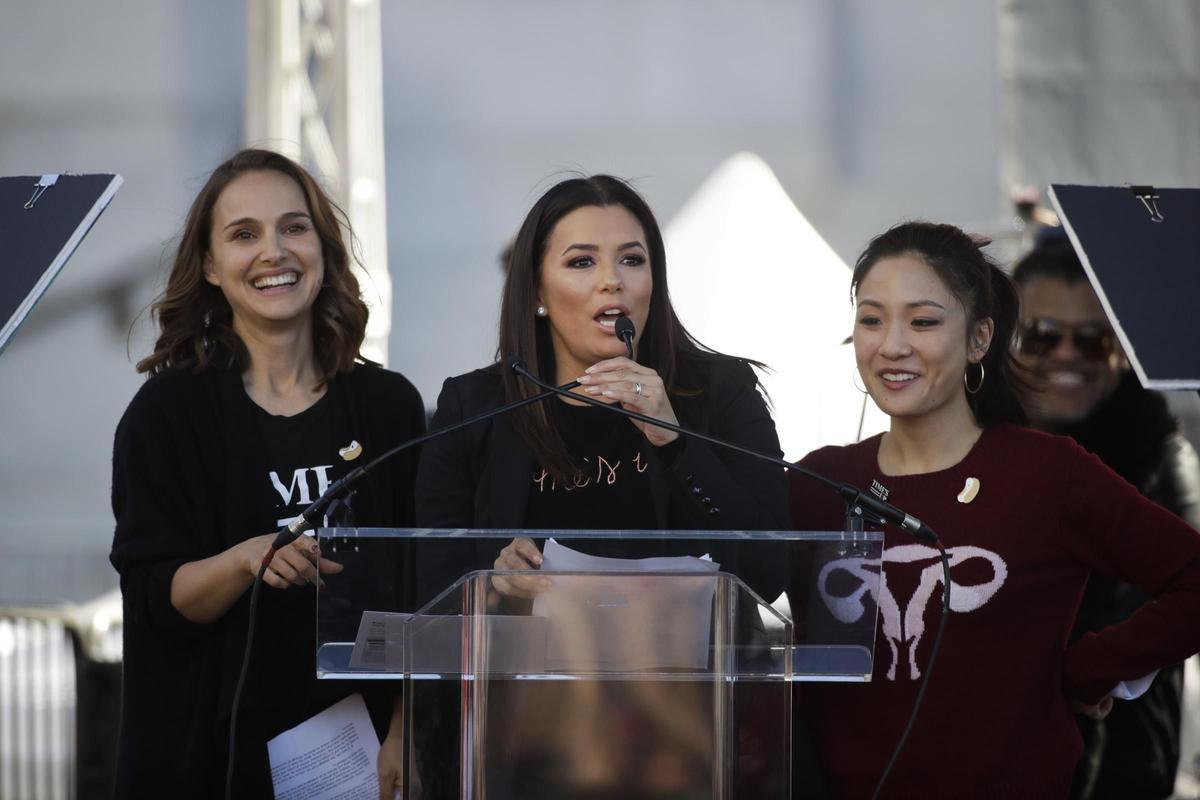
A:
(859, 503)
(625, 331)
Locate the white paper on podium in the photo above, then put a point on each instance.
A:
(379, 644)
(619, 624)
(331, 755)
(559, 558)
(1132, 690)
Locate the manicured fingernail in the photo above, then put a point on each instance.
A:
(592, 389)
(607, 393)
(583, 379)
(589, 370)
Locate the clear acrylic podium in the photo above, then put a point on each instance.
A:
(663, 680)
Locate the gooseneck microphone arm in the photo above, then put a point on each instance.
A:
(854, 497)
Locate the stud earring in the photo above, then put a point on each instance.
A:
(541, 311)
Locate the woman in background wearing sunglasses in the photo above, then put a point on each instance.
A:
(1025, 518)
(1079, 384)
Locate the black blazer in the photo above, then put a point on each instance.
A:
(479, 477)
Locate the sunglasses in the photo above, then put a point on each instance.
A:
(1041, 336)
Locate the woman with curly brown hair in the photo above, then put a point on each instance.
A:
(257, 401)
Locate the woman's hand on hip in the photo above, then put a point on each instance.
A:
(1097, 712)
(637, 388)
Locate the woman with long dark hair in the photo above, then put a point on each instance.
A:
(257, 399)
(589, 251)
(1024, 516)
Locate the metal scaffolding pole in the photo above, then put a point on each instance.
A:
(314, 92)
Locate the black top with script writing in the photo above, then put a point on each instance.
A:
(609, 490)
(1140, 247)
(43, 218)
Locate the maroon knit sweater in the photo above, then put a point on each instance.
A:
(996, 721)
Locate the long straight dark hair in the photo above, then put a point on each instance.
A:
(984, 292)
(665, 345)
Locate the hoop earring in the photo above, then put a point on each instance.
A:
(979, 385)
(541, 311)
(206, 329)
(857, 374)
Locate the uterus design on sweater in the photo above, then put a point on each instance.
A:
(907, 624)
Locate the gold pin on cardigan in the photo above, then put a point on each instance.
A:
(970, 490)
(351, 451)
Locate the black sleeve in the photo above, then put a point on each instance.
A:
(445, 498)
(158, 505)
(404, 412)
(412, 411)
(446, 477)
(718, 488)
(171, 667)
(1176, 486)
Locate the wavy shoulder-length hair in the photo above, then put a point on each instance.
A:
(194, 319)
(665, 345)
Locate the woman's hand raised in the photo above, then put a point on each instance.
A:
(637, 388)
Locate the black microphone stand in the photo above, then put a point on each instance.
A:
(860, 507)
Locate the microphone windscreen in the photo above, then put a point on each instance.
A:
(624, 328)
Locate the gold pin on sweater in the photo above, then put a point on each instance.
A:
(351, 451)
(970, 490)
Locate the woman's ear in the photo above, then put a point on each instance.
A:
(981, 340)
(210, 272)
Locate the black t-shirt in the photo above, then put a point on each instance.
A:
(303, 456)
(303, 459)
(610, 489)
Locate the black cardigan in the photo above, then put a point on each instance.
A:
(479, 477)
(185, 454)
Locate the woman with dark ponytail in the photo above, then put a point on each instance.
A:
(1024, 516)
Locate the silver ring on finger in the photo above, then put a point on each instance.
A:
(637, 389)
